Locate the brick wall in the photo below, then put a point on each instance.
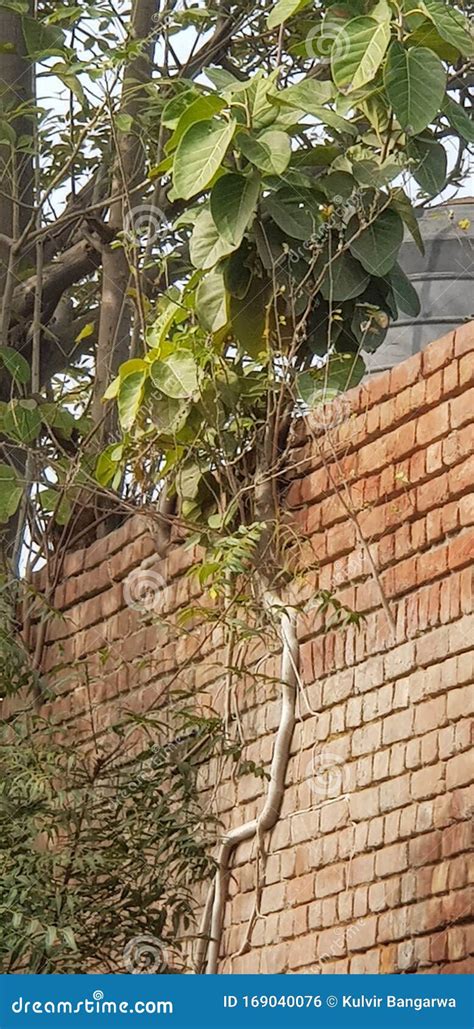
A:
(367, 868)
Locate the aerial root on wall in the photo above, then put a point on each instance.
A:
(212, 921)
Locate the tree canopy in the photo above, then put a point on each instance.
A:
(201, 211)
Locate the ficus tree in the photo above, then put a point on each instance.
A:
(203, 206)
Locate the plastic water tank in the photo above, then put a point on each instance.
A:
(443, 278)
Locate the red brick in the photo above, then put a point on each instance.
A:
(461, 550)
(433, 425)
(438, 354)
(464, 339)
(391, 859)
(459, 771)
(461, 409)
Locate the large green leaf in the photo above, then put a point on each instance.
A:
(271, 152)
(10, 492)
(200, 109)
(358, 51)
(248, 316)
(170, 311)
(415, 81)
(176, 375)
(175, 107)
(405, 294)
(404, 207)
(207, 246)
(345, 278)
(233, 203)
(283, 10)
(129, 399)
(168, 414)
(451, 25)
(211, 302)
(200, 154)
(16, 365)
(377, 245)
(459, 119)
(309, 95)
(430, 163)
(320, 385)
(42, 40)
(290, 214)
(22, 420)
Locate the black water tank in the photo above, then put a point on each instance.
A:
(443, 278)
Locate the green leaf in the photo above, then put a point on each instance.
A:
(170, 312)
(167, 414)
(283, 10)
(233, 204)
(57, 417)
(85, 332)
(42, 40)
(415, 82)
(130, 397)
(70, 80)
(202, 108)
(378, 245)
(207, 246)
(52, 500)
(405, 294)
(248, 316)
(69, 938)
(176, 375)
(22, 421)
(174, 108)
(459, 119)
(271, 152)
(320, 385)
(199, 155)
(124, 122)
(19, 6)
(345, 279)
(404, 207)
(309, 95)
(108, 464)
(16, 365)
(425, 35)
(11, 492)
(290, 214)
(358, 51)
(451, 25)
(431, 164)
(211, 302)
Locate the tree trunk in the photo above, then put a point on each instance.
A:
(16, 169)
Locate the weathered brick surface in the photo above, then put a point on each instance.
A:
(368, 869)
